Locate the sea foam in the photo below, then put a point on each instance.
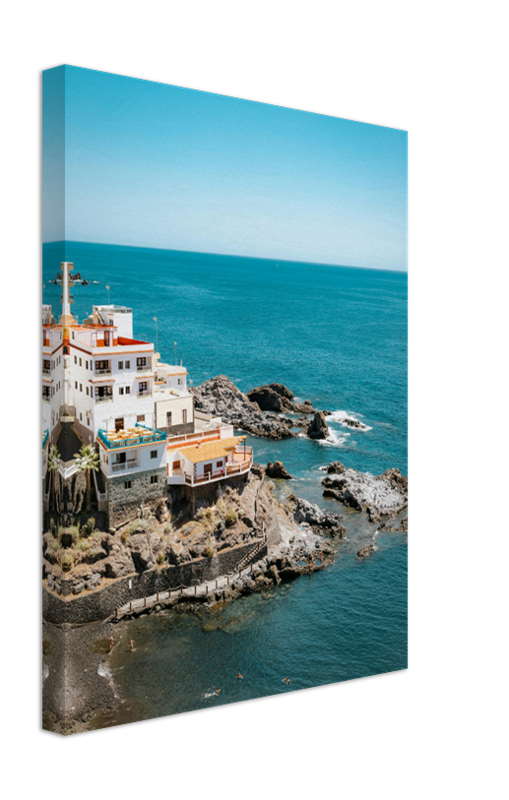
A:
(342, 417)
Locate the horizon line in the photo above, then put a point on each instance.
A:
(230, 255)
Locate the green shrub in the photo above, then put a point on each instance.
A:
(209, 551)
(221, 506)
(138, 525)
(160, 559)
(88, 527)
(67, 561)
(230, 518)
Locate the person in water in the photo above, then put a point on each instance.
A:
(286, 680)
(216, 692)
(240, 677)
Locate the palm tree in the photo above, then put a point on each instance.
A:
(53, 465)
(87, 459)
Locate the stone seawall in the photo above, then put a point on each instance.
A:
(99, 604)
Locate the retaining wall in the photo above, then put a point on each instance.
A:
(98, 604)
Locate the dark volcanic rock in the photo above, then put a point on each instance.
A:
(277, 470)
(336, 467)
(318, 428)
(276, 397)
(272, 397)
(319, 520)
(364, 552)
(379, 495)
(235, 408)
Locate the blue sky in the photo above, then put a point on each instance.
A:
(152, 165)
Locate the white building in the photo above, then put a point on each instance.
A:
(112, 390)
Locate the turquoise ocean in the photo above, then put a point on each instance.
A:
(334, 335)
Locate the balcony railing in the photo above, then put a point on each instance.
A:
(124, 466)
(146, 393)
(146, 436)
(144, 368)
(46, 371)
(103, 371)
(105, 398)
(238, 468)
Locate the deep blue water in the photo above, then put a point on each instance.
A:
(335, 335)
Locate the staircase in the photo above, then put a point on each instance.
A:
(251, 554)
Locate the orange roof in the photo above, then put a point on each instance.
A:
(209, 450)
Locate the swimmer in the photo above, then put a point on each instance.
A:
(216, 692)
(286, 680)
(240, 677)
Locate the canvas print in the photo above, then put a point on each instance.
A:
(224, 400)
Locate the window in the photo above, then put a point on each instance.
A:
(153, 454)
(81, 387)
(73, 335)
(75, 384)
(88, 422)
(180, 381)
(86, 364)
(100, 365)
(142, 388)
(121, 365)
(80, 362)
(140, 418)
(75, 360)
(168, 419)
(103, 392)
(127, 484)
(128, 390)
(87, 390)
(119, 426)
(141, 362)
(107, 338)
(184, 415)
(219, 464)
(154, 479)
(128, 365)
(121, 390)
(81, 417)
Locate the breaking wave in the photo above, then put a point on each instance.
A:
(343, 418)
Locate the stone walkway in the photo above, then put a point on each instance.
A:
(199, 590)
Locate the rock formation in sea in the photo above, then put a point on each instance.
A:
(277, 397)
(379, 495)
(277, 470)
(220, 396)
(318, 429)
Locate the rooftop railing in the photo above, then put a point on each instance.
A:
(146, 436)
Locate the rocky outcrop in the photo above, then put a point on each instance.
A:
(318, 428)
(219, 395)
(364, 552)
(379, 495)
(277, 397)
(277, 470)
(320, 521)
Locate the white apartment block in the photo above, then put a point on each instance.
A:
(117, 395)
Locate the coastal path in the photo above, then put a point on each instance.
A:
(189, 592)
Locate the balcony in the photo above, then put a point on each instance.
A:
(105, 398)
(125, 466)
(46, 371)
(103, 371)
(242, 464)
(145, 393)
(144, 368)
